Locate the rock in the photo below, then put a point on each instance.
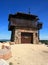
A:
(5, 54)
(3, 62)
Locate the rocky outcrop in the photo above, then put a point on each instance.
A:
(5, 52)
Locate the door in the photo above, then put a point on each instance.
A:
(26, 37)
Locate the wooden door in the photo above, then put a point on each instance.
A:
(26, 38)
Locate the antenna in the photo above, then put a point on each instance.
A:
(29, 11)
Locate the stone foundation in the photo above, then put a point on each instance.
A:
(17, 35)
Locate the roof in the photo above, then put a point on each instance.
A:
(23, 16)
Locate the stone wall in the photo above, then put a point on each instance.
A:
(17, 35)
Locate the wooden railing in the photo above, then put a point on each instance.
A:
(37, 25)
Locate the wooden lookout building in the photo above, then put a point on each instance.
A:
(24, 28)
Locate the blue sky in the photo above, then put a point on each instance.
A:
(37, 7)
